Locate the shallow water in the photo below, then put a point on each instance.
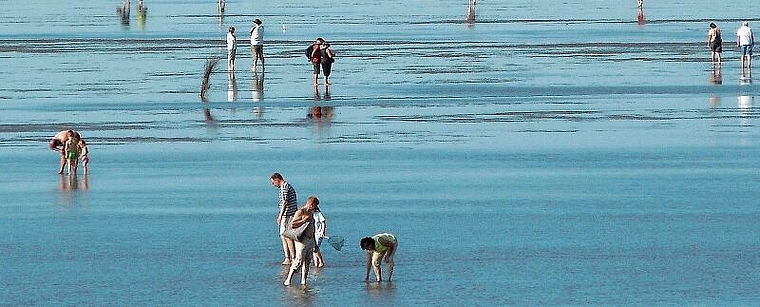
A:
(547, 154)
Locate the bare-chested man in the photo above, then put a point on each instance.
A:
(57, 144)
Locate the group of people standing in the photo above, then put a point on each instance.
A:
(72, 148)
(745, 41)
(300, 252)
(257, 46)
(319, 54)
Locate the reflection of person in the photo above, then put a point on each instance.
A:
(327, 59)
(84, 155)
(142, 11)
(305, 246)
(320, 233)
(71, 149)
(123, 12)
(231, 88)
(470, 16)
(57, 144)
(257, 87)
(257, 44)
(716, 76)
(745, 40)
(288, 207)
(315, 57)
(715, 43)
(379, 246)
(231, 48)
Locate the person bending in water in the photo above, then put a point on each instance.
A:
(57, 144)
(379, 246)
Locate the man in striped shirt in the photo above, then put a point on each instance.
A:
(288, 207)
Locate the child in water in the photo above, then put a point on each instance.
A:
(71, 150)
(320, 233)
(84, 155)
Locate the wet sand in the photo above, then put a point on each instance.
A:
(544, 155)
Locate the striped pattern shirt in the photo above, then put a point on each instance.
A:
(288, 200)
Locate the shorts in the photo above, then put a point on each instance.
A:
(316, 67)
(746, 49)
(284, 222)
(716, 46)
(256, 52)
(71, 155)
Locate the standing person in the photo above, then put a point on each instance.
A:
(327, 58)
(315, 57)
(715, 43)
(306, 244)
(71, 148)
(288, 206)
(320, 233)
(57, 144)
(231, 49)
(379, 246)
(745, 40)
(84, 155)
(257, 44)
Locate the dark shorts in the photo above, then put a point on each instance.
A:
(716, 46)
(326, 68)
(316, 67)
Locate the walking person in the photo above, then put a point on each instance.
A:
(287, 208)
(378, 247)
(305, 245)
(257, 44)
(715, 43)
(231, 49)
(315, 57)
(327, 58)
(745, 41)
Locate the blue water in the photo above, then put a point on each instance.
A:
(546, 154)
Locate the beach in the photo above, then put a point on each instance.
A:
(543, 154)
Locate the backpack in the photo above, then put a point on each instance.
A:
(308, 52)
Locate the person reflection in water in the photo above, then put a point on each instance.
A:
(123, 12)
(470, 16)
(142, 12)
(257, 87)
(716, 77)
(231, 87)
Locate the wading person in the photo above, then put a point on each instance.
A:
(378, 247)
(305, 244)
(287, 208)
(257, 44)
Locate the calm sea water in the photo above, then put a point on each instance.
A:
(545, 154)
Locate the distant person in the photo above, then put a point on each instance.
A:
(257, 44)
(305, 246)
(84, 155)
(315, 57)
(379, 246)
(745, 41)
(288, 206)
(71, 148)
(327, 58)
(640, 3)
(320, 233)
(57, 144)
(231, 49)
(715, 43)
